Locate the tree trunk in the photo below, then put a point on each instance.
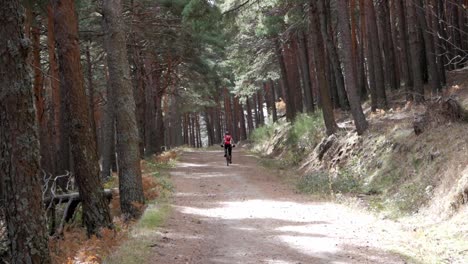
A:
(95, 208)
(152, 81)
(208, 117)
(290, 113)
(292, 67)
(40, 101)
(403, 47)
(273, 100)
(243, 129)
(386, 43)
(415, 52)
(107, 137)
(376, 55)
(317, 48)
(160, 128)
(305, 71)
(20, 176)
(436, 32)
(429, 47)
(91, 106)
(130, 184)
(261, 116)
(250, 124)
(332, 54)
(349, 70)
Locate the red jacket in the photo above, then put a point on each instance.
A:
(227, 139)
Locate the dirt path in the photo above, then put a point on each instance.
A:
(241, 214)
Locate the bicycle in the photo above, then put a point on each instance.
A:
(228, 156)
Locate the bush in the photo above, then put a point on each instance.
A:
(307, 130)
(263, 133)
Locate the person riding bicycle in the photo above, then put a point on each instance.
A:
(228, 143)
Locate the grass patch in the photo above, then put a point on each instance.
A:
(322, 183)
(306, 131)
(263, 133)
(158, 189)
(154, 217)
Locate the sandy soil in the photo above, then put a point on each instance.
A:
(244, 214)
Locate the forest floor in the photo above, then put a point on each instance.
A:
(245, 213)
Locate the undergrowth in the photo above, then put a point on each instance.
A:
(75, 247)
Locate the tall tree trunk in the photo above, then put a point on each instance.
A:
(403, 47)
(349, 71)
(91, 106)
(130, 184)
(436, 32)
(217, 121)
(107, 137)
(386, 43)
(429, 47)
(208, 117)
(273, 100)
(186, 129)
(415, 52)
(376, 54)
(56, 91)
(83, 147)
(236, 118)
(261, 116)
(250, 124)
(227, 110)
(290, 113)
(160, 128)
(292, 68)
(152, 81)
(317, 48)
(40, 101)
(20, 178)
(305, 71)
(326, 32)
(243, 129)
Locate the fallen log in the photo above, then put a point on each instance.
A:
(74, 196)
(72, 201)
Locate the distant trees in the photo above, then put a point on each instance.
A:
(391, 45)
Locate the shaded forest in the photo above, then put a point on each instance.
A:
(90, 88)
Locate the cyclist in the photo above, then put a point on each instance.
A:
(228, 143)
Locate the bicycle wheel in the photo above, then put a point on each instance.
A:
(228, 159)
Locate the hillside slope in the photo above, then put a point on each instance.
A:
(411, 165)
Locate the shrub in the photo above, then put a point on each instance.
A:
(307, 130)
(263, 133)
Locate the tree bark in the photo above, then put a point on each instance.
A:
(83, 147)
(403, 46)
(332, 54)
(290, 113)
(108, 139)
(376, 55)
(243, 129)
(250, 124)
(344, 37)
(20, 176)
(91, 106)
(429, 47)
(386, 47)
(415, 52)
(305, 71)
(317, 48)
(130, 184)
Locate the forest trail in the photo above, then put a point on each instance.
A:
(244, 214)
